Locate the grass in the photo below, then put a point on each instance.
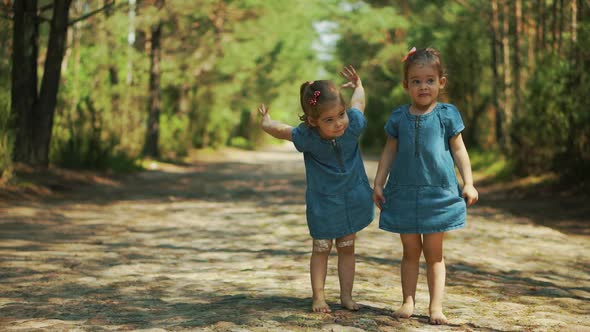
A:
(491, 165)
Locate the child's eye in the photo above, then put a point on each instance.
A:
(342, 114)
(416, 82)
(431, 81)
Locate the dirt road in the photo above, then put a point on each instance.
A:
(221, 245)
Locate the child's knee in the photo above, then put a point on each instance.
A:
(345, 247)
(321, 247)
(412, 254)
(432, 258)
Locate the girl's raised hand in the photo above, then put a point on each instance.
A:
(264, 112)
(351, 76)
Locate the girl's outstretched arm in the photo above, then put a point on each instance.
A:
(464, 164)
(387, 157)
(274, 128)
(354, 81)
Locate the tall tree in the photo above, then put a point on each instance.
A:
(45, 109)
(33, 112)
(24, 78)
(150, 148)
(507, 108)
(518, 38)
(494, 42)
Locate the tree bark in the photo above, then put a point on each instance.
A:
(150, 148)
(541, 27)
(518, 36)
(45, 110)
(574, 25)
(554, 26)
(24, 77)
(507, 69)
(494, 31)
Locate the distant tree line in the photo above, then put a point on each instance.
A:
(95, 84)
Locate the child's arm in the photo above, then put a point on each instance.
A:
(464, 164)
(354, 81)
(274, 128)
(387, 157)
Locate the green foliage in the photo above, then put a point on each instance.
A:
(174, 136)
(491, 164)
(240, 142)
(80, 141)
(5, 137)
(542, 127)
(221, 59)
(553, 132)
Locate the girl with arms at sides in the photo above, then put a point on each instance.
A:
(338, 195)
(422, 199)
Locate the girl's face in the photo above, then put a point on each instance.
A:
(332, 122)
(423, 85)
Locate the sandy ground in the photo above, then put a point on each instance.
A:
(221, 244)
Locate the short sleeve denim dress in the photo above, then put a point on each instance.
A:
(422, 194)
(338, 196)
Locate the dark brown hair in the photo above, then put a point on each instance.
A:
(313, 106)
(424, 56)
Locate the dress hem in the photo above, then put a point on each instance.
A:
(413, 231)
(339, 235)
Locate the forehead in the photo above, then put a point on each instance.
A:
(422, 69)
(332, 111)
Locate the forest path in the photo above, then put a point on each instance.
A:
(221, 244)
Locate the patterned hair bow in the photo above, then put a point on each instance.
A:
(314, 99)
(412, 51)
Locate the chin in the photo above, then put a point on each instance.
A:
(340, 133)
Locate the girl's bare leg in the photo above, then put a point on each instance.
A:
(318, 270)
(412, 244)
(346, 270)
(436, 274)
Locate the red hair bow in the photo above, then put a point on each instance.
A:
(314, 99)
(412, 51)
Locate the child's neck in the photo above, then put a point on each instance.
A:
(421, 110)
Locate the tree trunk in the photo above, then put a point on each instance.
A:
(541, 28)
(494, 31)
(150, 148)
(561, 26)
(508, 102)
(530, 27)
(554, 26)
(45, 109)
(113, 72)
(574, 27)
(518, 54)
(24, 77)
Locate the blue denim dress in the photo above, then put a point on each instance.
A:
(338, 196)
(422, 194)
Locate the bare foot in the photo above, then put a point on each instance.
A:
(437, 318)
(320, 305)
(349, 304)
(405, 311)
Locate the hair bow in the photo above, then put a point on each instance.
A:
(314, 99)
(410, 52)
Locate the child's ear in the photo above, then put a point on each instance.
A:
(312, 122)
(405, 84)
(443, 82)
